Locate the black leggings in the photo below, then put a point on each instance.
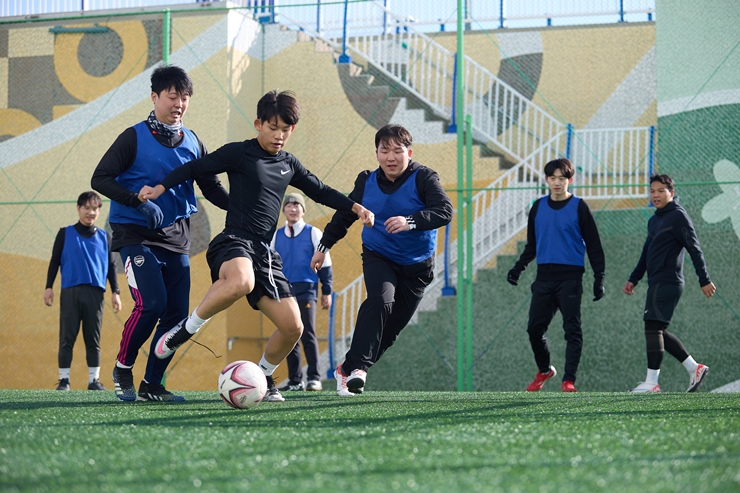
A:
(658, 340)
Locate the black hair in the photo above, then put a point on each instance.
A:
(91, 197)
(563, 164)
(166, 77)
(393, 134)
(279, 104)
(664, 179)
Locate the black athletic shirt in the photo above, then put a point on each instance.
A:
(438, 210)
(257, 184)
(670, 232)
(56, 255)
(560, 272)
(119, 158)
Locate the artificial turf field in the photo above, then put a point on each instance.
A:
(381, 441)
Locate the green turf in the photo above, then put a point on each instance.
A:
(381, 441)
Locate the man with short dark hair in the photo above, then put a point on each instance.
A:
(241, 260)
(153, 237)
(670, 233)
(560, 231)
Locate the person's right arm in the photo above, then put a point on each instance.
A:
(117, 159)
(640, 268)
(530, 249)
(54, 264)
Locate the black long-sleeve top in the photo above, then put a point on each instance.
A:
(670, 234)
(589, 233)
(119, 158)
(257, 184)
(438, 210)
(56, 255)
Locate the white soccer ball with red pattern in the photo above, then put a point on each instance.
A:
(242, 384)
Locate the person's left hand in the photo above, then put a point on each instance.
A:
(396, 224)
(115, 300)
(598, 288)
(325, 301)
(709, 290)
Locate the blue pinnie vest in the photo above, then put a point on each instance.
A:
(84, 260)
(296, 253)
(153, 162)
(559, 239)
(406, 247)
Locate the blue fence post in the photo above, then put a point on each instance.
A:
(318, 16)
(501, 14)
(344, 57)
(651, 158)
(448, 290)
(569, 142)
(385, 17)
(621, 10)
(332, 365)
(452, 127)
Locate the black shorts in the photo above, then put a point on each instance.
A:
(269, 279)
(661, 302)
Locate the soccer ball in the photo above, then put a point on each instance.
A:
(242, 384)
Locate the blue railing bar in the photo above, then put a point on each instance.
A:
(344, 57)
(332, 364)
(452, 127)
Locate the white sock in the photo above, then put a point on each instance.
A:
(268, 368)
(93, 372)
(194, 322)
(690, 364)
(63, 373)
(652, 376)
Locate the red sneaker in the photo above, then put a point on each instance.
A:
(568, 386)
(540, 379)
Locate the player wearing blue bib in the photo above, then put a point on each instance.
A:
(560, 231)
(409, 204)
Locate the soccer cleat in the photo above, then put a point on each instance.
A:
(356, 381)
(171, 340)
(647, 388)
(314, 385)
(123, 383)
(272, 394)
(95, 385)
(63, 384)
(569, 386)
(342, 389)
(540, 379)
(293, 387)
(156, 392)
(697, 377)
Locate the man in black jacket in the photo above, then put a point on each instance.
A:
(670, 231)
(397, 252)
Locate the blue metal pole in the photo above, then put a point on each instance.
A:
(621, 10)
(569, 142)
(318, 16)
(651, 158)
(332, 365)
(501, 14)
(344, 57)
(385, 17)
(447, 290)
(452, 127)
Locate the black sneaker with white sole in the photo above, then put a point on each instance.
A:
(272, 394)
(293, 387)
(95, 385)
(123, 383)
(63, 384)
(157, 393)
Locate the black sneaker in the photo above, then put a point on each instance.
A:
(95, 385)
(171, 340)
(272, 394)
(63, 384)
(123, 383)
(157, 392)
(293, 387)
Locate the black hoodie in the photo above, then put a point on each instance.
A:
(670, 231)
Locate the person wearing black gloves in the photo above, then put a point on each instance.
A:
(153, 237)
(397, 252)
(670, 233)
(560, 231)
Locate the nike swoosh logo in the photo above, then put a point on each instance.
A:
(284, 171)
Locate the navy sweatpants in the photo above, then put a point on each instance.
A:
(159, 281)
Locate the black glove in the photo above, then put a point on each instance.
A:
(513, 277)
(152, 213)
(598, 288)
